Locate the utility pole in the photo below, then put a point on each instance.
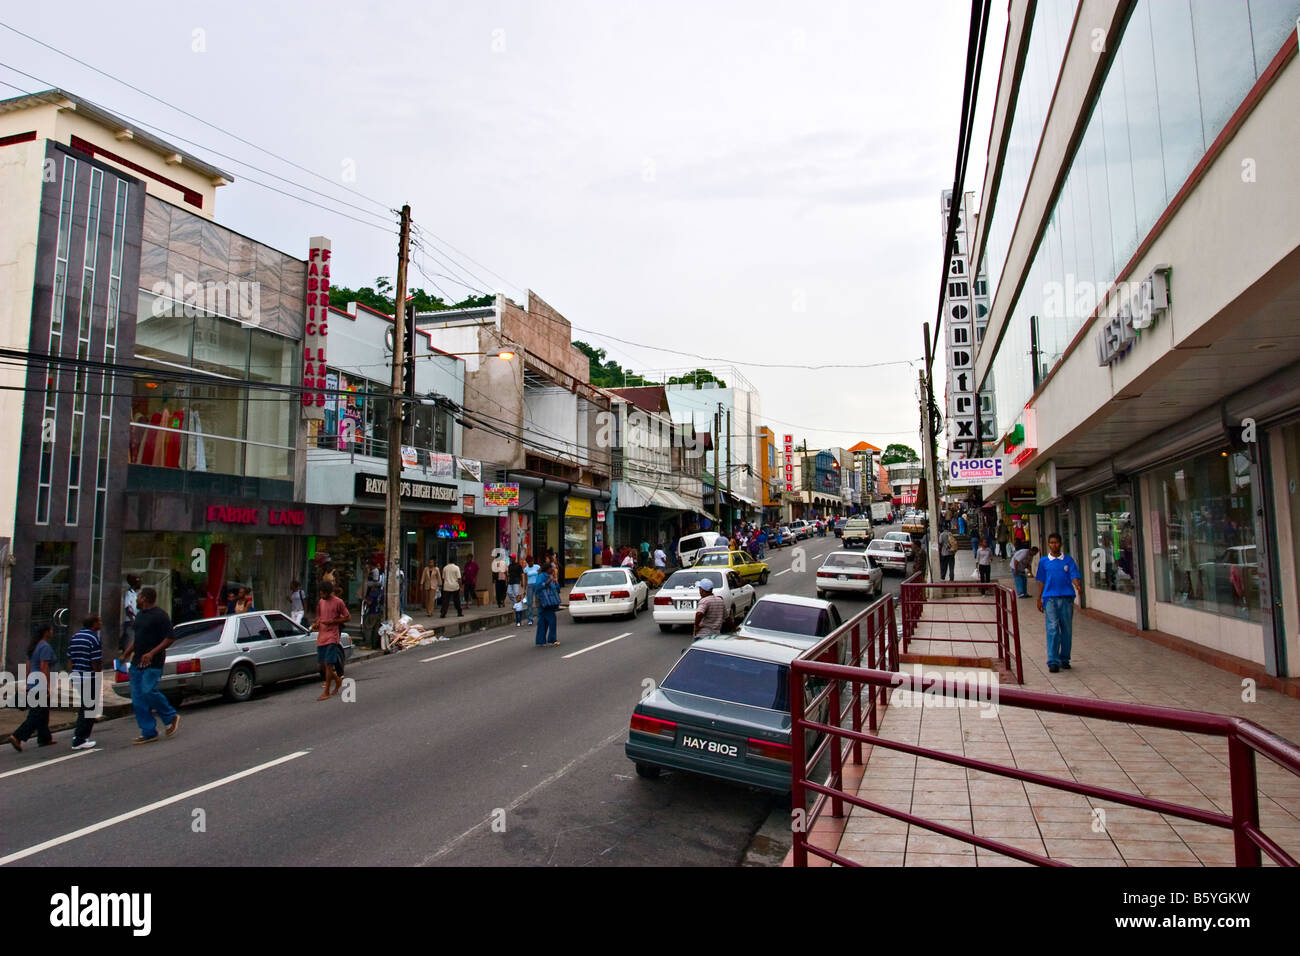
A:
(393, 501)
(731, 514)
(717, 482)
(930, 456)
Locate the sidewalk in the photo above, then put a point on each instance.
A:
(1107, 663)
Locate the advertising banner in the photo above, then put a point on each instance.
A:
(976, 471)
(501, 494)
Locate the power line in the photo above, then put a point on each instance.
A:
(199, 119)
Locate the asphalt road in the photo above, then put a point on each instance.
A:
(484, 750)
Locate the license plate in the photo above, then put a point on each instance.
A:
(685, 605)
(705, 745)
(598, 599)
(844, 577)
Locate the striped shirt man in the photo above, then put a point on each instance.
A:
(85, 657)
(85, 650)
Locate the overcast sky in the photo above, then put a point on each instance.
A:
(755, 181)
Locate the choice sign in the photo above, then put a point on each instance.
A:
(976, 471)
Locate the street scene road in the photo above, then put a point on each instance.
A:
(484, 750)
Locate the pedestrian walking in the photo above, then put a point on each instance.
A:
(1003, 539)
(661, 558)
(331, 614)
(607, 556)
(983, 559)
(947, 555)
(1061, 580)
(471, 580)
(153, 635)
(451, 584)
(430, 585)
(532, 572)
(372, 610)
(40, 660)
(297, 602)
(86, 658)
(499, 583)
(710, 613)
(1020, 564)
(515, 586)
(548, 602)
(130, 606)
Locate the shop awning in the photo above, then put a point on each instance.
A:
(739, 497)
(634, 495)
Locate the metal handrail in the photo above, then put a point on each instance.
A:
(1006, 616)
(1246, 740)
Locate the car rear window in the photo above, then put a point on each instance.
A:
(198, 634)
(688, 579)
(790, 618)
(846, 561)
(596, 579)
(741, 680)
(713, 557)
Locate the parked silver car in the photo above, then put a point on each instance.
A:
(232, 655)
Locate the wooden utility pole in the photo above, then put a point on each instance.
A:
(717, 480)
(930, 457)
(393, 500)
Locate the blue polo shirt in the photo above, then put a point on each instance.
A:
(1057, 575)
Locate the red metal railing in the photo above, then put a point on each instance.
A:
(871, 633)
(1245, 740)
(1006, 616)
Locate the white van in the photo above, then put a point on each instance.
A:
(692, 544)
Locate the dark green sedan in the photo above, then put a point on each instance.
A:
(722, 711)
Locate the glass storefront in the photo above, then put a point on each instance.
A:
(219, 426)
(1182, 68)
(1112, 564)
(577, 537)
(1204, 538)
(192, 571)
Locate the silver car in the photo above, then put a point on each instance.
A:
(232, 655)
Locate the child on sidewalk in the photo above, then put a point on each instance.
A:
(519, 614)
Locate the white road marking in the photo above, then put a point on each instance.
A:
(141, 811)
(519, 800)
(438, 657)
(779, 573)
(601, 644)
(46, 763)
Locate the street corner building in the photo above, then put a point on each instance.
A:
(153, 382)
(1140, 227)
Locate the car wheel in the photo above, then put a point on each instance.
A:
(666, 628)
(649, 771)
(239, 685)
(821, 593)
(762, 578)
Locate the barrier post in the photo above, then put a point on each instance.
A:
(837, 760)
(798, 767)
(871, 708)
(1245, 800)
(855, 644)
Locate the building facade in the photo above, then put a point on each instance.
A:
(1145, 245)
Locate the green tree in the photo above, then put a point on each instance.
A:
(896, 453)
(604, 372)
(696, 377)
(380, 298)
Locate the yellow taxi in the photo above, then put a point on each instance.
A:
(751, 570)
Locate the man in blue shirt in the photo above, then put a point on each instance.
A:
(1061, 580)
(532, 577)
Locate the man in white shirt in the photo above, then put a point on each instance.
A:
(661, 558)
(451, 587)
(129, 607)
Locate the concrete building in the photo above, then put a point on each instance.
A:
(1141, 222)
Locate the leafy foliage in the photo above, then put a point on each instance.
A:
(896, 453)
(696, 378)
(604, 371)
(380, 298)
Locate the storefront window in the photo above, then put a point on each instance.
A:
(1112, 561)
(165, 561)
(577, 537)
(222, 426)
(1204, 543)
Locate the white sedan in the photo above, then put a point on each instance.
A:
(893, 555)
(677, 599)
(850, 571)
(607, 591)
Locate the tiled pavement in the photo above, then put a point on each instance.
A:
(1187, 768)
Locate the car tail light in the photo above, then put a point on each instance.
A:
(769, 749)
(825, 574)
(653, 725)
(192, 666)
(663, 600)
(577, 596)
(121, 677)
(620, 594)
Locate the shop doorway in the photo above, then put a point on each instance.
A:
(52, 592)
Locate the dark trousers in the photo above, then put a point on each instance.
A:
(91, 687)
(448, 596)
(947, 566)
(37, 722)
(85, 724)
(985, 571)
